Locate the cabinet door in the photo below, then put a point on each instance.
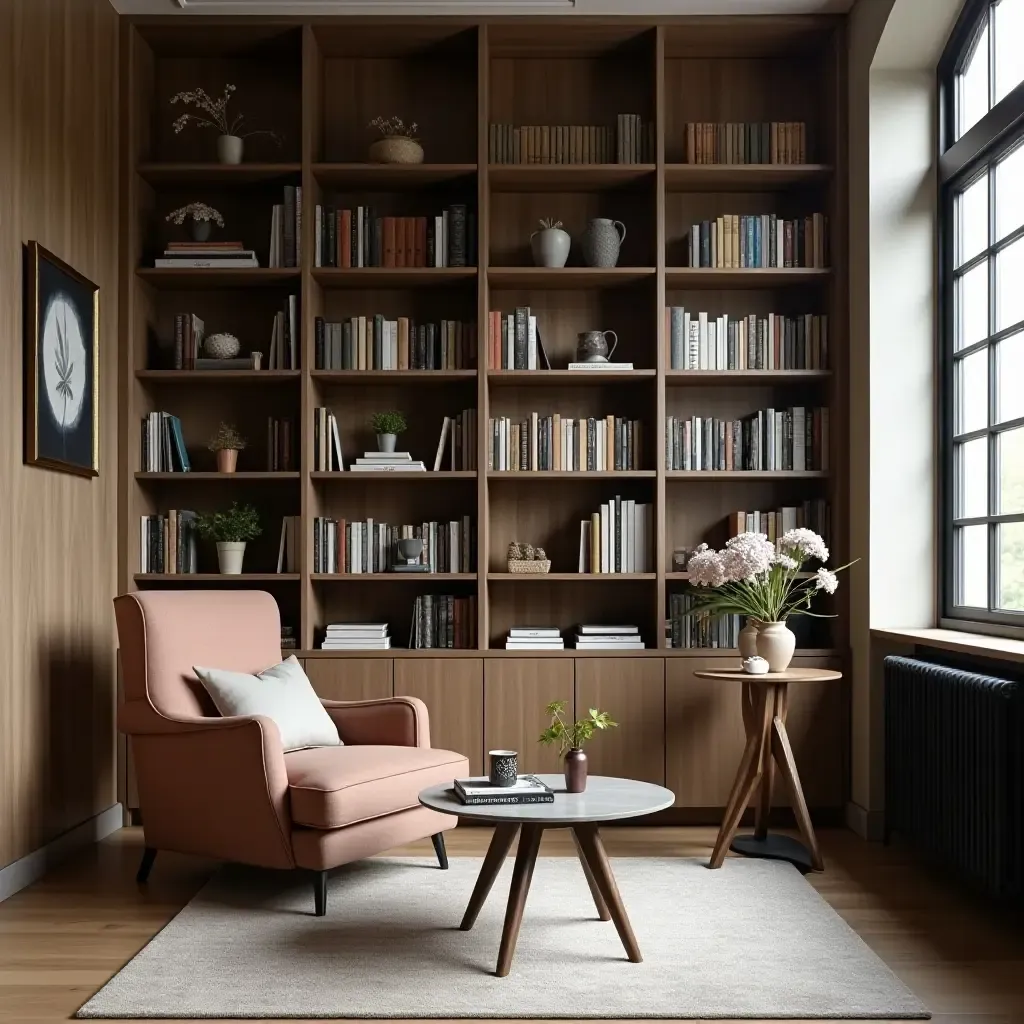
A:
(516, 691)
(350, 678)
(816, 724)
(704, 735)
(453, 690)
(632, 691)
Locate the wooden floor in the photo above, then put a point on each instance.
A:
(62, 938)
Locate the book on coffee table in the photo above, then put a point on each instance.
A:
(528, 789)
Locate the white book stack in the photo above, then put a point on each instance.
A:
(591, 637)
(600, 367)
(387, 462)
(534, 638)
(211, 256)
(356, 636)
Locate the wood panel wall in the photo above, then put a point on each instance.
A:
(58, 544)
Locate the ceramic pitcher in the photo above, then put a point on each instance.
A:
(601, 242)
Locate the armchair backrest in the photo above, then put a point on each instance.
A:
(163, 633)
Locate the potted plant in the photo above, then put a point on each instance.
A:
(550, 244)
(231, 141)
(398, 144)
(752, 577)
(200, 216)
(230, 530)
(570, 739)
(227, 443)
(387, 426)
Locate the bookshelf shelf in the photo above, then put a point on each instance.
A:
(217, 577)
(430, 476)
(744, 177)
(683, 577)
(572, 577)
(218, 175)
(391, 177)
(388, 378)
(553, 279)
(393, 577)
(392, 277)
(204, 477)
(557, 474)
(568, 378)
(745, 279)
(735, 378)
(218, 377)
(745, 474)
(202, 278)
(566, 177)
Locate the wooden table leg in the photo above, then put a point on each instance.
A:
(776, 698)
(787, 765)
(501, 842)
(522, 874)
(602, 907)
(589, 839)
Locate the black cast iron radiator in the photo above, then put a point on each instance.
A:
(954, 749)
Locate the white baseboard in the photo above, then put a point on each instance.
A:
(867, 824)
(33, 866)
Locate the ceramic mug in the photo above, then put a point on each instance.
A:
(504, 767)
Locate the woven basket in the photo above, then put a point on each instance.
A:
(521, 567)
(396, 149)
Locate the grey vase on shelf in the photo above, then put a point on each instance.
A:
(602, 241)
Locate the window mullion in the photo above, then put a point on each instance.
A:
(993, 443)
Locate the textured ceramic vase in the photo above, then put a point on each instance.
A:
(550, 247)
(230, 554)
(748, 639)
(229, 149)
(200, 230)
(386, 443)
(592, 346)
(575, 771)
(776, 644)
(602, 241)
(227, 460)
(396, 149)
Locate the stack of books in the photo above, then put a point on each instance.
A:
(163, 445)
(286, 229)
(528, 789)
(737, 241)
(376, 343)
(289, 641)
(356, 636)
(618, 538)
(608, 638)
(207, 255)
(555, 442)
(534, 638)
(388, 462)
(168, 542)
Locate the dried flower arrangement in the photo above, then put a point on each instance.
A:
(549, 224)
(525, 559)
(394, 127)
(195, 211)
(216, 112)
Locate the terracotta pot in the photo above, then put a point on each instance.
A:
(748, 639)
(575, 771)
(776, 644)
(396, 149)
(227, 460)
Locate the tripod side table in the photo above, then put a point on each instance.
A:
(765, 702)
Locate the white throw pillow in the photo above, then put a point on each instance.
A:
(282, 693)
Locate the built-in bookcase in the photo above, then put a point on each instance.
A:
(317, 84)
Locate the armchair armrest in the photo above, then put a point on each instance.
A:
(393, 721)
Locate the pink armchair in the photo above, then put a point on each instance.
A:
(223, 787)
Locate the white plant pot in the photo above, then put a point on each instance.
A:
(550, 247)
(229, 149)
(230, 554)
(776, 644)
(386, 442)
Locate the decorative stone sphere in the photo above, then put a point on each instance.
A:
(222, 346)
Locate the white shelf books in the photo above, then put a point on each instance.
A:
(534, 638)
(759, 241)
(700, 341)
(356, 636)
(369, 546)
(388, 462)
(811, 515)
(591, 637)
(773, 440)
(167, 542)
(284, 337)
(327, 456)
(527, 789)
(458, 437)
(564, 444)
(207, 256)
(377, 343)
(618, 538)
(443, 621)
(694, 630)
(163, 445)
(514, 342)
(286, 229)
(288, 549)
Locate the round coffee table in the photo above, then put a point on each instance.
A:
(606, 799)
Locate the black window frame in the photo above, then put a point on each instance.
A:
(961, 162)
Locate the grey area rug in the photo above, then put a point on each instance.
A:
(750, 940)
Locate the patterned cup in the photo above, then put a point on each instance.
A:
(504, 767)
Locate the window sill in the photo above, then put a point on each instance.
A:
(956, 640)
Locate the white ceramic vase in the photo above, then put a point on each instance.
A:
(229, 555)
(776, 644)
(748, 639)
(229, 149)
(386, 443)
(550, 247)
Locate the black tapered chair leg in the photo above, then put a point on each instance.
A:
(145, 865)
(442, 854)
(320, 892)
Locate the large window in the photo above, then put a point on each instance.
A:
(982, 275)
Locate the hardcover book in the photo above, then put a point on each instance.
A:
(528, 789)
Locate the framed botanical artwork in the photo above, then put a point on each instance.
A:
(62, 321)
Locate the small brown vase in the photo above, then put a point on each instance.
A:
(227, 460)
(575, 771)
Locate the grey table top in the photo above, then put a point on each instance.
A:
(606, 799)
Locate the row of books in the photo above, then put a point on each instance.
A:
(361, 238)
(286, 229)
(327, 456)
(207, 256)
(168, 542)
(189, 331)
(356, 636)
(630, 141)
(554, 442)
(163, 444)
(618, 538)
(698, 341)
(284, 337)
(367, 547)
(513, 341)
(746, 142)
(689, 630)
(288, 547)
(281, 445)
(443, 621)
(794, 439)
(458, 434)
(811, 515)
(376, 343)
(759, 241)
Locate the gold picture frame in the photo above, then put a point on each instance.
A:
(62, 323)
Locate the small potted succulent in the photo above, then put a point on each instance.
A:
(570, 738)
(387, 426)
(550, 244)
(397, 145)
(227, 443)
(200, 217)
(231, 141)
(230, 530)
